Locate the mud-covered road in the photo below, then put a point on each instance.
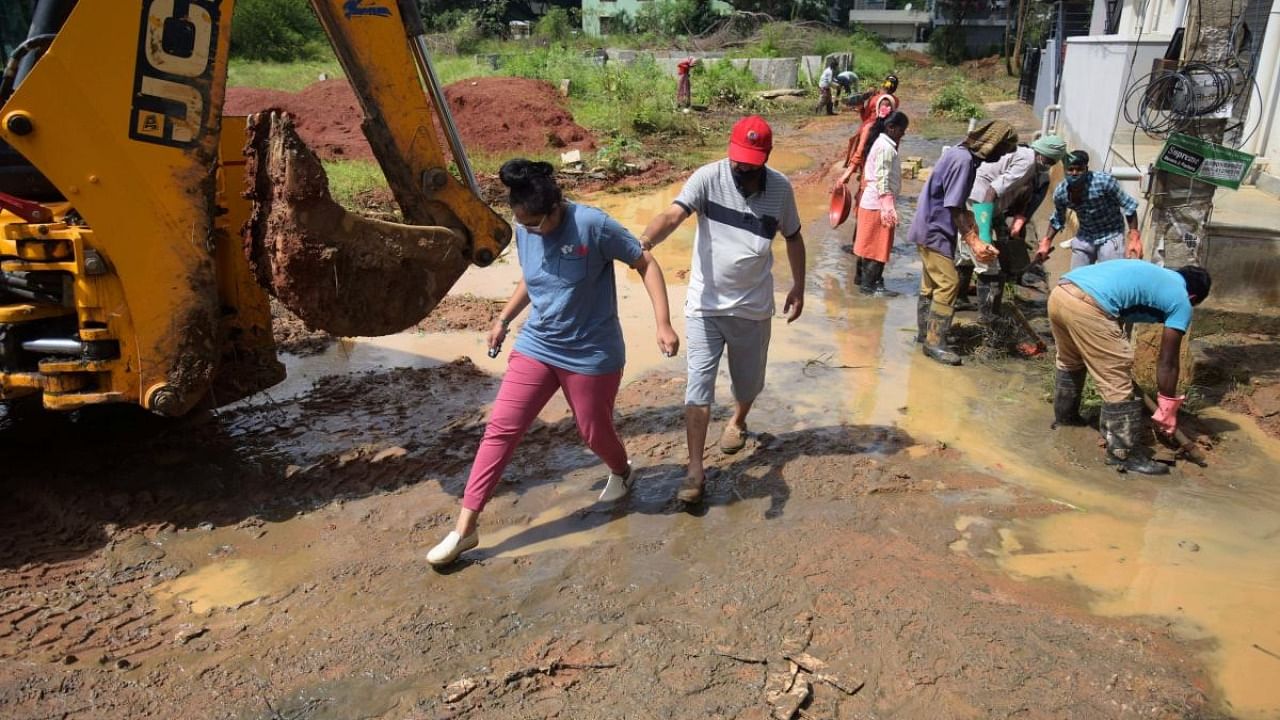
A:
(904, 540)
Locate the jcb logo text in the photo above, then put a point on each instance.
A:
(177, 42)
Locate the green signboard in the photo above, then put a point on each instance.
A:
(1194, 158)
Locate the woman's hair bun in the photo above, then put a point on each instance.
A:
(520, 172)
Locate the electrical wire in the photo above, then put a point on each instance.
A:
(1128, 75)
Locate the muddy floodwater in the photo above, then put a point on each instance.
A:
(899, 539)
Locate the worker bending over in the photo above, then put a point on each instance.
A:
(1086, 310)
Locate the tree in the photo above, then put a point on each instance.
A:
(948, 43)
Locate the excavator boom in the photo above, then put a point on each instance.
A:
(142, 279)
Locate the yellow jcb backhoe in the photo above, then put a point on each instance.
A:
(139, 226)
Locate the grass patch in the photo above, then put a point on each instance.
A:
(957, 101)
(296, 75)
(452, 68)
(290, 76)
(636, 99)
(349, 178)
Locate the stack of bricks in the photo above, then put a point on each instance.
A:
(911, 167)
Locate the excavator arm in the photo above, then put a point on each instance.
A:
(324, 276)
(138, 229)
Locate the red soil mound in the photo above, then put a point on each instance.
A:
(326, 114)
(500, 115)
(494, 115)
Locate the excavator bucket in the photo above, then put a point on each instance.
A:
(342, 273)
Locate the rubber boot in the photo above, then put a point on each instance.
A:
(877, 281)
(857, 271)
(867, 276)
(922, 317)
(935, 344)
(962, 293)
(990, 294)
(1067, 390)
(1122, 427)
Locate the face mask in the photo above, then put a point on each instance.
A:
(742, 178)
(1077, 179)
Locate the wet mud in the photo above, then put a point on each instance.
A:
(283, 569)
(897, 540)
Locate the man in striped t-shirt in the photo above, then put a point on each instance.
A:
(742, 205)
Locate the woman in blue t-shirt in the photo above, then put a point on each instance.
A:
(572, 340)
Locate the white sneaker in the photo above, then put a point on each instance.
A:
(451, 547)
(617, 486)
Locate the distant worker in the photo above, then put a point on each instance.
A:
(877, 208)
(684, 90)
(825, 81)
(943, 219)
(845, 82)
(571, 342)
(1016, 184)
(1086, 310)
(742, 205)
(1103, 210)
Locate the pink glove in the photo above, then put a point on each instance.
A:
(1166, 416)
(888, 210)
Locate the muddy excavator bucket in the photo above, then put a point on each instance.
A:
(342, 273)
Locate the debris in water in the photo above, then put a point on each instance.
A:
(1265, 651)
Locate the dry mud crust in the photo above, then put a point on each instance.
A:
(339, 272)
(831, 542)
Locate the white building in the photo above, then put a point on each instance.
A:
(1099, 69)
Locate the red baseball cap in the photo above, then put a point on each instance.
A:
(751, 141)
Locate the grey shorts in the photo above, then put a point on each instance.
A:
(706, 339)
(1086, 253)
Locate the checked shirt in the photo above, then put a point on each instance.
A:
(1103, 212)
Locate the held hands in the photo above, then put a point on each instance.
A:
(1133, 248)
(1044, 250)
(1166, 416)
(794, 304)
(888, 211)
(982, 252)
(668, 341)
(843, 179)
(497, 333)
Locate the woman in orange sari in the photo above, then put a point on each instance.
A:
(877, 207)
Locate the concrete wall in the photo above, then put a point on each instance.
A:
(1095, 77)
(1244, 263)
(892, 25)
(1046, 79)
(773, 73)
(1151, 16)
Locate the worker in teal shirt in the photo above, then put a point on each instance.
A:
(1087, 311)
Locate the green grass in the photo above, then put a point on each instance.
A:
(349, 178)
(291, 77)
(452, 68)
(294, 76)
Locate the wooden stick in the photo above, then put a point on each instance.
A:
(1026, 326)
(1186, 446)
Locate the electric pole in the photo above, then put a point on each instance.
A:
(1180, 206)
